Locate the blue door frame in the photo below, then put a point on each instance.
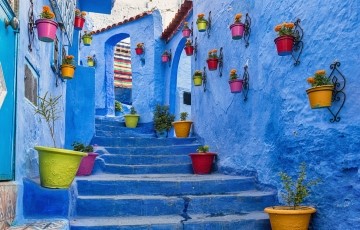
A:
(8, 47)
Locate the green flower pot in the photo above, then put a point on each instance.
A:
(87, 41)
(131, 120)
(58, 167)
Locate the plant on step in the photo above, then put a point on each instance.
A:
(162, 118)
(182, 127)
(80, 147)
(203, 160)
(203, 149)
(132, 119)
(118, 106)
(183, 116)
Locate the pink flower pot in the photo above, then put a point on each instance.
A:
(87, 165)
(189, 50)
(284, 45)
(165, 58)
(186, 33)
(237, 30)
(202, 162)
(46, 29)
(236, 85)
(212, 63)
(79, 23)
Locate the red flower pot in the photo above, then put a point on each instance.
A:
(186, 33)
(212, 63)
(79, 23)
(189, 50)
(165, 58)
(284, 45)
(139, 51)
(237, 30)
(202, 162)
(236, 85)
(87, 164)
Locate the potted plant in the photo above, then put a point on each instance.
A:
(189, 48)
(68, 67)
(186, 31)
(212, 60)
(162, 120)
(235, 83)
(203, 160)
(201, 23)
(320, 93)
(182, 127)
(57, 167)
(90, 61)
(87, 163)
(237, 28)
(87, 38)
(197, 78)
(139, 48)
(132, 119)
(165, 57)
(118, 108)
(293, 215)
(285, 40)
(46, 26)
(79, 19)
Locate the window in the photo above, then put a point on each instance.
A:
(31, 84)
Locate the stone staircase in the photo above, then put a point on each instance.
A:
(142, 182)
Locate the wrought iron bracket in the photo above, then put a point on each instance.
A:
(170, 56)
(195, 48)
(247, 30)
(246, 78)
(31, 25)
(208, 28)
(221, 62)
(338, 94)
(192, 29)
(204, 79)
(58, 76)
(298, 43)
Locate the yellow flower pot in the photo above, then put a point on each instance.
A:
(197, 80)
(90, 63)
(320, 96)
(201, 25)
(87, 41)
(131, 120)
(67, 71)
(182, 128)
(284, 218)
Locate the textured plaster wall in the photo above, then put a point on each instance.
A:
(148, 81)
(275, 129)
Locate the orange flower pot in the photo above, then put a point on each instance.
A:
(182, 128)
(67, 71)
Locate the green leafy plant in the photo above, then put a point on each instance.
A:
(183, 116)
(166, 53)
(80, 147)
(162, 118)
(233, 75)
(87, 35)
(319, 79)
(203, 149)
(118, 106)
(198, 74)
(132, 110)
(286, 28)
(296, 191)
(48, 110)
(46, 13)
(200, 18)
(68, 60)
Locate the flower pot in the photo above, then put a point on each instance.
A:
(87, 41)
(201, 25)
(87, 165)
(320, 96)
(202, 162)
(186, 33)
(139, 51)
(67, 71)
(79, 23)
(165, 58)
(237, 30)
(131, 120)
(236, 85)
(284, 218)
(90, 63)
(58, 167)
(284, 45)
(212, 63)
(189, 50)
(46, 29)
(161, 133)
(182, 128)
(197, 80)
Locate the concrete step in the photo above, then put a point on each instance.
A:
(147, 169)
(245, 221)
(162, 184)
(141, 142)
(184, 149)
(145, 159)
(141, 205)
(123, 133)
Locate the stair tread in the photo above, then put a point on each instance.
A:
(146, 165)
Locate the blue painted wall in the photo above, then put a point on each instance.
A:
(275, 130)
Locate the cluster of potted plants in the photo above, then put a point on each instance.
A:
(237, 28)
(285, 40)
(186, 31)
(203, 160)
(182, 127)
(189, 48)
(46, 26)
(165, 57)
(132, 119)
(68, 67)
(320, 93)
(198, 78)
(87, 162)
(139, 48)
(201, 23)
(213, 60)
(162, 120)
(236, 84)
(87, 38)
(90, 61)
(79, 19)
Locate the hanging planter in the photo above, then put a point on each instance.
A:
(201, 23)
(237, 29)
(203, 160)
(189, 49)
(212, 60)
(285, 41)
(79, 19)
(139, 48)
(320, 94)
(68, 67)
(46, 27)
(165, 57)
(198, 78)
(186, 31)
(90, 61)
(236, 84)
(87, 38)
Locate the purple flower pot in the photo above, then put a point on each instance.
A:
(46, 29)
(236, 85)
(237, 30)
(186, 33)
(165, 58)
(87, 165)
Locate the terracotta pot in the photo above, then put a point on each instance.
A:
(236, 85)
(284, 218)
(139, 51)
(182, 128)
(67, 71)
(237, 30)
(212, 63)
(87, 165)
(46, 29)
(186, 33)
(284, 45)
(320, 96)
(202, 162)
(189, 50)
(165, 58)
(79, 23)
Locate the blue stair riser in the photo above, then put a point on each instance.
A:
(145, 159)
(123, 129)
(166, 188)
(138, 141)
(122, 133)
(154, 206)
(159, 150)
(147, 169)
(177, 226)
